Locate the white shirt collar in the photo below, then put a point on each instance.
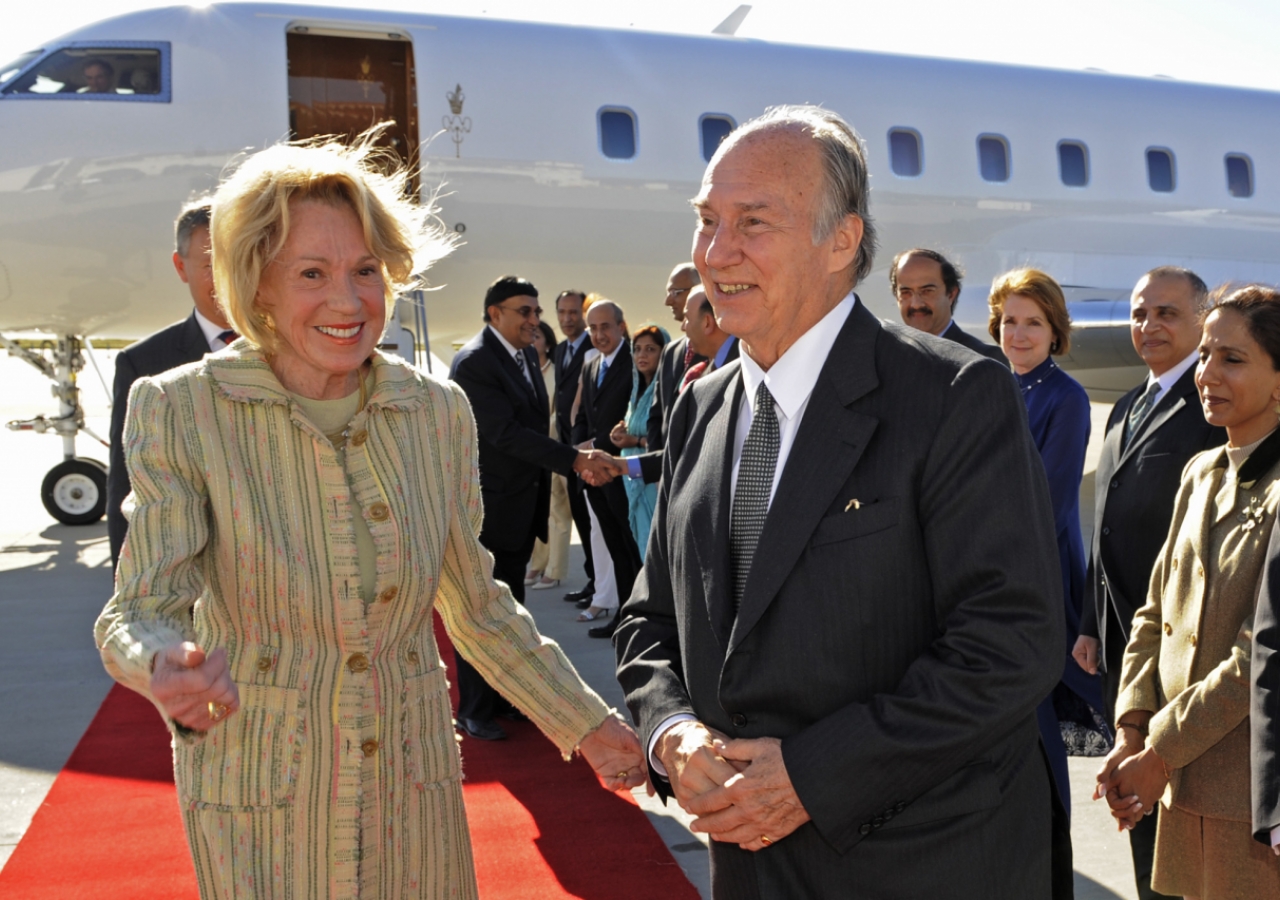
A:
(1170, 378)
(792, 378)
(506, 343)
(608, 360)
(212, 332)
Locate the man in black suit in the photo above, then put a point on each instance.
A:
(1264, 714)
(567, 358)
(677, 356)
(849, 711)
(1151, 433)
(927, 287)
(204, 331)
(606, 391)
(498, 371)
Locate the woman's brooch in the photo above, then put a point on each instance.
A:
(1253, 514)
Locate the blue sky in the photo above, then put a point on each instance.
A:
(1224, 41)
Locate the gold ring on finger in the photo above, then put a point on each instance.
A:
(217, 710)
(766, 840)
(623, 774)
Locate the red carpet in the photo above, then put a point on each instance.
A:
(542, 829)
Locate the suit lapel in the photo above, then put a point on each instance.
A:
(510, 367)
(712, 518)
(1182, 392)
(831, 440)
(194, 343)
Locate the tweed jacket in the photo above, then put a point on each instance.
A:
(339, 776)
(1188, 656)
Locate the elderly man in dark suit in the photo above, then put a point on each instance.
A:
(927, 287)
(606, 391)
(1151, 434)
(567, 359)
(203, 331)
(676, 359)
(851, 603)
(498, 371)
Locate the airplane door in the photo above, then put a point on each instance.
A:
(341, 85)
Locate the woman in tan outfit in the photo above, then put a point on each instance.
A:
(1183, 707)
(301, 504)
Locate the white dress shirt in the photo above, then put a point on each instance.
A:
(791, 381)
(1170, 378)
(521, 363)
(212, 332)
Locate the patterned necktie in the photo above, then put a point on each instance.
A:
(688, 354)
(524, 367)
(1138, 412)
(228, 336)
(695, 372)
(755, 484)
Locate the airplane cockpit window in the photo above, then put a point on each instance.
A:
(111, 71)
(904, 152)
(617, 133)
(1160, 170)
(1073, 164)
(993, 158)
(714, 129)
(13, 68)
(1239, 175)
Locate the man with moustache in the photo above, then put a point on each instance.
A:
(927, 287)
(851, 603)
(204, 331)
(498, 371)
(1151, 434)
(676, 359)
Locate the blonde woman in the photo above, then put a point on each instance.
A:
(1183, 708)
(302, 504)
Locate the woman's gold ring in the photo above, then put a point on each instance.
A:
(766, 840)
(217, 710)
(623, 774)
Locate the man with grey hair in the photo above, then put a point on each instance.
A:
(204, 331)
(849, 711)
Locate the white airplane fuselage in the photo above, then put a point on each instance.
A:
(89, 189)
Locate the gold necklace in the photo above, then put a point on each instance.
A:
(339, 438)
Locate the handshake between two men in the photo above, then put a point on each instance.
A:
(597, 467)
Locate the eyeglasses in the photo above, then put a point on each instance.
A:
(524, 312)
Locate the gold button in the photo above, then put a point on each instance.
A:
(359, 438)
(265, 663)
(412, 656)
(1175, 563)
(389, 594)
(1168, 629)
(1193, 639)
(358, 663)
(369, 747)
(1200, 571)
(379, 512)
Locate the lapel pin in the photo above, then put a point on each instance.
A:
(853, 504)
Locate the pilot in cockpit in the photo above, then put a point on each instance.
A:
(99, 77)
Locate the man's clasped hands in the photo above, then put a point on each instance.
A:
(597, 467)
(738, 789)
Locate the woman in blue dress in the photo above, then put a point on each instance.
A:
(1029, 319)
(646, 351)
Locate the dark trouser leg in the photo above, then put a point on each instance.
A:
(476, 698)
(582, 521)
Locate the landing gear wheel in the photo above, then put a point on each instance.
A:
(75, 492)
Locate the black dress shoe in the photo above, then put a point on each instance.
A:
(604, 631)
(584, 603)
(482, 729)
(575, 596)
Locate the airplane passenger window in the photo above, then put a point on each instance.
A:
(1073, 164)
(714, 128)
(617, 133)
(113, 71)
(904, 152)
(993, 158)
(1239, 175)
(1160, 170)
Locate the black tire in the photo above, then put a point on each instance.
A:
(75, 491)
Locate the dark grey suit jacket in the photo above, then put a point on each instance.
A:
(567, 386)
(955, 333)
(1264, 714)
(176, 345)
(1133, 507)
(898, 646)
(517, 455)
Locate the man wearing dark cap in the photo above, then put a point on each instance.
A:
(498, 370)
(927, 287)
